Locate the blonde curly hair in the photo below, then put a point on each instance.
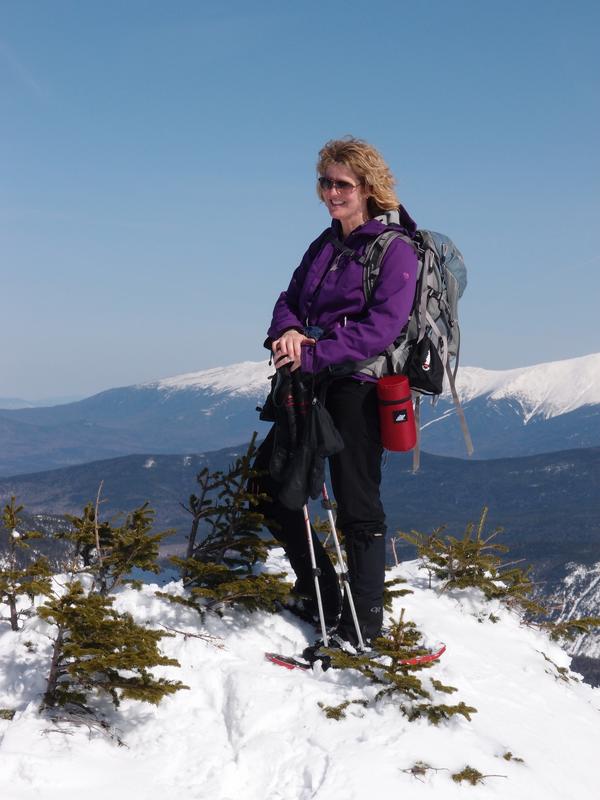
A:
(367, 164)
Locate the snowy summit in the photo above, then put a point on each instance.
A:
(245, 378)
(247, 728)
(548, 389)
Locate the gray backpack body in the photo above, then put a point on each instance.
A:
(428, 348)
(441, 281)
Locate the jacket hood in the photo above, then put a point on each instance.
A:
(396, 217)
(399, 216)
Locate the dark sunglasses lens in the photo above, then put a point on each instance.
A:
(341, 186)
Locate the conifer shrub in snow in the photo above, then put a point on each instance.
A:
(476, 561)
(110, 552)
(224, 566)
(508, 756)
(570, 628)
(392, 590)
(23, 572)
(95, 649)
(98, 650)
(469, 775)
(387, 668)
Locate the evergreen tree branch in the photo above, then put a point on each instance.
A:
(96, 529)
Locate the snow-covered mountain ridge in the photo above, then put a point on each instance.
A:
(548, 389)
(246, 728)
(245, 378)
(524, 411)
(578, 595)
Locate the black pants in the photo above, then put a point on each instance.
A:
(355, 477)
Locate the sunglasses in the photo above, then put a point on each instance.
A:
(345, 187)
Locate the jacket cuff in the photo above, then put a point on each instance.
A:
(278, 333)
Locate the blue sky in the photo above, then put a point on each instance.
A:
(157, 171)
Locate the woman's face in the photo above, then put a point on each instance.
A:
(348, 202)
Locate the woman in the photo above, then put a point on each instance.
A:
(323, 321)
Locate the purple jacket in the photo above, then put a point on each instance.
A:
(329, 293)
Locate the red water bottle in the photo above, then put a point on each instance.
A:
(396, 414)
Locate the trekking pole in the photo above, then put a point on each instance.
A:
(316, 572)
(344, 573)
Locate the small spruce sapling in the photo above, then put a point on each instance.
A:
(96, 649)
(475, 561)
(110, 552)
(224, 567)
(392, 590)
(472, 776)
(23, 572)
(570, 628)
(100, 651)
(387, 668)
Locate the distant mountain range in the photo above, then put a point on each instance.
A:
(15, 402)
(204, 411)
(546, 503)
(19, 402)
(517, 412)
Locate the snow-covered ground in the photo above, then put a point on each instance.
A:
(248, 729)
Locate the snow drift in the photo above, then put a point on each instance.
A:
(246, 728)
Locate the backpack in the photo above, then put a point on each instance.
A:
(430, 340)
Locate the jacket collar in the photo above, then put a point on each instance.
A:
(397, 218)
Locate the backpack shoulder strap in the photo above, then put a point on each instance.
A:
(374, 256)
(342, 248)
